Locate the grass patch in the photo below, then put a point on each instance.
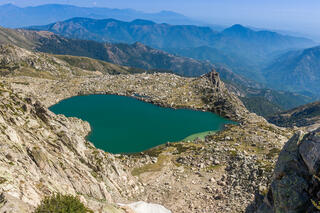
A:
(59, 203)
(184, 147)
(162, 159)
(212, 168)
(2, 180)
(156, 151)
(200, 135)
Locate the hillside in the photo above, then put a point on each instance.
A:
(143, 57)
(296, 71)
(9, 36)
(302, 116)
(259, 99)
(15, 61)
(139, 55)
(266, 102)
(237, 63)
(14, 16)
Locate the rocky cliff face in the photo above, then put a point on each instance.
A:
(221, 100)
(296, 185)
(43, 153)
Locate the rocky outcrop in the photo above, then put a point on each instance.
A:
(296, 185)
(221, 100)
(43, 153)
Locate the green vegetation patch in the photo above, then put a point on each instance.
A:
(59, 203)
(200, 135)
(162, 159)
(2, 180)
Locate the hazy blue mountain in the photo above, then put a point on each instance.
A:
(296, 71)
(235, 38)
(241, 49)
(144, 31)
(257, 44)
(13, 16)
(236, 62)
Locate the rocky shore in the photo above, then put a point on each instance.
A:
(167, 90)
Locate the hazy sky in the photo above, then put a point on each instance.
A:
(294, 15)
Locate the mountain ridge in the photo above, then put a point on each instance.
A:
(44, 14)
(296, 71)
(98, 26)
(116, 31)
(303, 116)
(243, 50)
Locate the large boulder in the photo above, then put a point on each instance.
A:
(296, 186)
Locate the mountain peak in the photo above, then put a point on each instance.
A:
(238, 28)
(168, 12)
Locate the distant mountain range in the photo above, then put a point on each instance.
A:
(296, 71)
(173, 36)
(14, 17)
(134, 55)
(243, 50)
(144, 31)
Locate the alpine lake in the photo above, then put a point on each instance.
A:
(127, 125)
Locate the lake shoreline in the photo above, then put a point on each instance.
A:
(178, 121)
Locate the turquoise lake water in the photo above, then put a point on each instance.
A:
(126, 125)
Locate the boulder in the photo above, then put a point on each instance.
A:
(296, 185)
